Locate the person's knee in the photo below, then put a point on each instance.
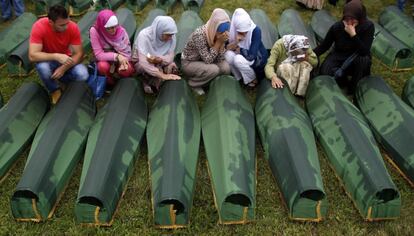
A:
(213, 70)
(103, 67)
(44, 70)
(127, 73)
(80, 73)
(239, 59)
(229, 56)
(224, 68)
(327, 70)
(284, 68)
(363, 63)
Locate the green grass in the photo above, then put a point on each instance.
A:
(135, 214)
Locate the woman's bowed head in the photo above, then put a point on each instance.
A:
(297, 51)
(163, 30)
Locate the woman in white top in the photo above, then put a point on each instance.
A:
(154, 49)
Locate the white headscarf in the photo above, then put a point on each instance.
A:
(241, 22)
(293, 43)
(149, 39)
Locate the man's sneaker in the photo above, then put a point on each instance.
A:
(56, 96)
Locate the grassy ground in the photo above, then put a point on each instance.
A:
(135, 214)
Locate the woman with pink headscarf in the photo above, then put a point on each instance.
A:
(111, 47)
(203, 56)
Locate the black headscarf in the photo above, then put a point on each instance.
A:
(355, 9)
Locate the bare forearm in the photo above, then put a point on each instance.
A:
(42, 56)
(77, 58)
(217, 46)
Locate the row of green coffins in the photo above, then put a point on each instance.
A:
(228, 130)
(308, 204)
(99, 209)
(78, 7)
(393, 42)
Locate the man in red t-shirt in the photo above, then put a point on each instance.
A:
(56, 48)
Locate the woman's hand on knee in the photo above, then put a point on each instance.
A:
(122, 60)
(276, 82)
(123, 66)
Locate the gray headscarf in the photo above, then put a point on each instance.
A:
(149, 39)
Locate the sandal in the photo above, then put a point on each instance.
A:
(148, 89)
(252, 84)
(55, 95)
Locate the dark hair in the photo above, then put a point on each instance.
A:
(56, 12)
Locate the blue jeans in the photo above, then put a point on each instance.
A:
(6, 12)
(46, 69)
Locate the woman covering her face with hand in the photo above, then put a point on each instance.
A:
(203, 56)
(111, 47)
(353, 34)
(154, 49)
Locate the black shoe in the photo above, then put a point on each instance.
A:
(342, 82)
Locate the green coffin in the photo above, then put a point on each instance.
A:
(398, 24)
(79, 6)
(109, 4)
(57, 147)
(269, 31)
(287, 138)
(390, 51)
(351, 150)
(228, 130)
(84, 24)
(193, 5)
(111, 152)
(173, 139)
(391, 120)
(408, 92)
(126, 18)
(42, 6)
(291, 23)
(164, 4)
(187, 24)
(10, 38)
(137, 5)
(321, 21)
(19, 119)
(18, 63)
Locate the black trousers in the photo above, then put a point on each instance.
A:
(359, 68)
